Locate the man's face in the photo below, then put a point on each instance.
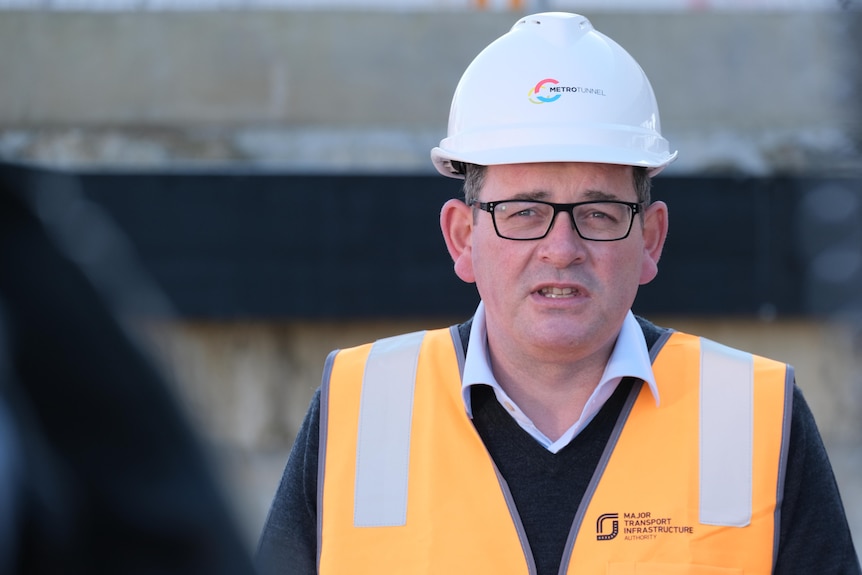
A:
(560, 294)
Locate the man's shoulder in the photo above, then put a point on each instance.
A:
(464, 332)
(652, 332)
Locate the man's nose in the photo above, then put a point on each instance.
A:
(563, 246)
(569, 218)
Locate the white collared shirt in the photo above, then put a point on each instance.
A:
(629, 358)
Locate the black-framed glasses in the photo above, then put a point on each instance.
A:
(598, 221)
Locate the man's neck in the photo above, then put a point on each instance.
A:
(550, 393)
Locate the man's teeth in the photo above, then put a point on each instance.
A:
(557, 292)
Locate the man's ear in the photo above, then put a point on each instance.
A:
(655, 232)
(456, 223)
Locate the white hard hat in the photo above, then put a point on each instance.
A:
(553, 89)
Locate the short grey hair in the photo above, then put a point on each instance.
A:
(474, 179)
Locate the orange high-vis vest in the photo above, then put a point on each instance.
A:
(691, 486)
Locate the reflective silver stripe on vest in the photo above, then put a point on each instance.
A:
(726, 434)
(383, 442)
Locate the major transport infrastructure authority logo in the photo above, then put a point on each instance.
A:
(638, 526)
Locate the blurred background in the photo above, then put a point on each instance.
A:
(264, 165)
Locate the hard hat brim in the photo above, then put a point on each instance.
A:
(654, 162)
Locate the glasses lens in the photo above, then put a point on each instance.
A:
(603, 220)
(521, 220)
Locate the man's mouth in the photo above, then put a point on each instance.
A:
(556, 292)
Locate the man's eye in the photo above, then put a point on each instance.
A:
(599, 216)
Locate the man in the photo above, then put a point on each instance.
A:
(555, 432)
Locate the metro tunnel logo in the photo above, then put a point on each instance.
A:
(549, 90)
(536, 92)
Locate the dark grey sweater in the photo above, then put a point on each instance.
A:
(547, 488)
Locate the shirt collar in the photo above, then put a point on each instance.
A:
(629, 358)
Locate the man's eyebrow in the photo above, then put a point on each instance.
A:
(540, 194)
(532, 195)
(599, 195)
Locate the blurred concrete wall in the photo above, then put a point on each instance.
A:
(753, 93)
(756, 92)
